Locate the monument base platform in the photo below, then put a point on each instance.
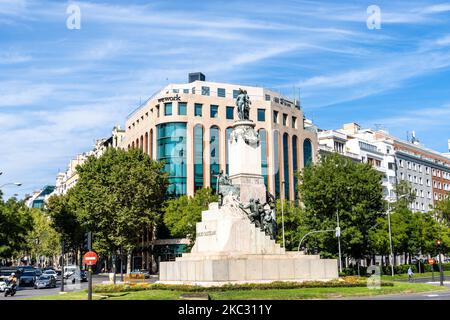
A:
(218, 270)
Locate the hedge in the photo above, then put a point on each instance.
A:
(345, 282)
(401, 269)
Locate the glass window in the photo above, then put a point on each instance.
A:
(214, 157)
(193, 90)
(221, 92)
(227, 138)
(235, 93)
(205, 91)
(294, 122)
(275, 117)
(182, 108)
(214, 110)
(176, 90)
(168, 109)
(276, 165)
(171, 148)
(285, 119)
(261, 115)
(186, 91)
(277, 100)
(287, 175)
(263, 141)
(267, 97)
(307, 152)
(198, 110)
(294, 165)
(230, 113)
(198, 157)
(157, 110)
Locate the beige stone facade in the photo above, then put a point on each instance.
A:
(283, 120)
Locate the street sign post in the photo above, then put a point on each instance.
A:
(431, 262)
(90, 258)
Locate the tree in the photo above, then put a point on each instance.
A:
(442, 210)
(182, 214)
(15, 223)
(294, 230)
(43, 239)
(339, 184)
(118, 196)
(62, 212)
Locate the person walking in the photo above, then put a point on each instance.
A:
(410, 274)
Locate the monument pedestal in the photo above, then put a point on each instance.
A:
(229, 248)
(245, 161)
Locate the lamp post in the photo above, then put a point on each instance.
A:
(338, 232)
(282, 214)
(441, 270)
(391, 253)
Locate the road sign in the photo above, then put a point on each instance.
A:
(90, 258)
(431, 261)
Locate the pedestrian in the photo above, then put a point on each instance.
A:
(410, 274)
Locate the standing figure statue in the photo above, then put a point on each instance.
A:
(254, 215)
(223, 186)
(268, 224)
(243, 105)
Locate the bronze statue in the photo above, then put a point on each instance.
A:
(243, 105)
(254, 215)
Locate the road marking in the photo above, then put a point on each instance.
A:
(432, 295)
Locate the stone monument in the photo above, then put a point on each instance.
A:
(235, 239)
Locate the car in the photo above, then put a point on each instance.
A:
(3, 284)
(144, 272)
(27, 278)
(52, 273)
(45, 281)
(73, 273)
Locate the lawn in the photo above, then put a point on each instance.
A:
(257, 294)
(404, 276)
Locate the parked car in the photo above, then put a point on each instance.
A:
(52, 273)
(144, 272)
(73, 273)
(45, 281)
(28, 278)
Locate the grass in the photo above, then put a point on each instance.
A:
(404, 276)
(257, 294)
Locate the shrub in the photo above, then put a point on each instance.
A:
(345, 282)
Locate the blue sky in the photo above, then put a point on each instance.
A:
(60, 89)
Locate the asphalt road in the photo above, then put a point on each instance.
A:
(29, 292)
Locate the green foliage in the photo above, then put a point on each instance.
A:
(293, 227)
(346, 282)
(43, 239)
(338, 183)
(62, 212)
(118, 196)
(442, 210)
(15, 224)
(182, 214)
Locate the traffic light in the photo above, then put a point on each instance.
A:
(87, 242)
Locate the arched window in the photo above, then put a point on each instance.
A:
(198, 157)
(294, 165)
(137, 143)
(150, 153)
(227, 138)
(276, 163)
(142, 143)
(146, 143)
(214, 166)
(171, 148)
(307, 152)
(263, 140)
(287, 176)
(132, 145)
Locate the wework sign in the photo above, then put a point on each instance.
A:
(165, 99)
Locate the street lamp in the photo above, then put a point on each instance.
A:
(282, 214)
(391, 254)
(18, 184)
